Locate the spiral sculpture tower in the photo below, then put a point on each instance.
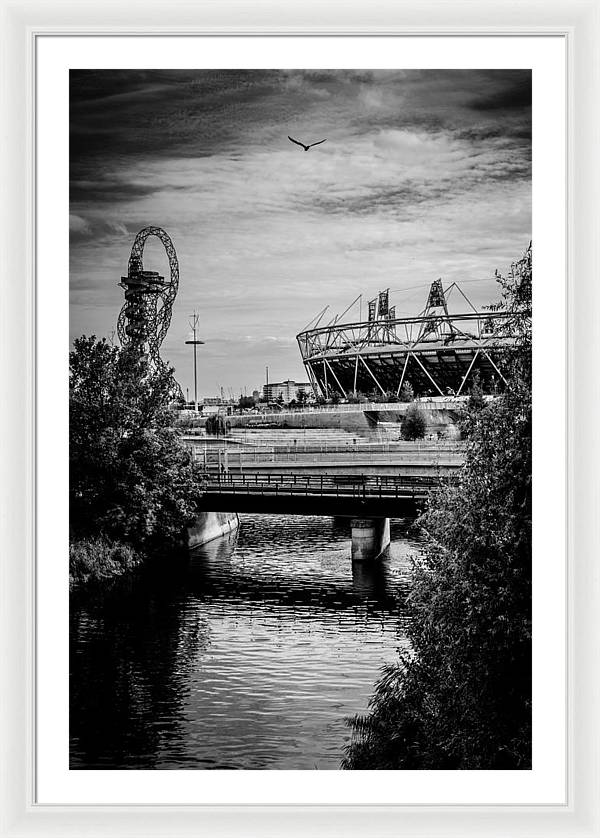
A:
(146, 314)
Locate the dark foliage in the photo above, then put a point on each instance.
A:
(413, 425)
(131, 478)
(97, 559)
(461, 699)
(476, 400)
(246, 402)
(216, 425)
(475, 403)
(407, 394)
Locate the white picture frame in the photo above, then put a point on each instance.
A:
(22, 23)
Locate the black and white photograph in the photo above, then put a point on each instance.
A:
(300, 419)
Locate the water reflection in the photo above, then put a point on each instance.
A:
(370, 580)
(248, 656)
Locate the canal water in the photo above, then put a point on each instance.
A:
(250, 656)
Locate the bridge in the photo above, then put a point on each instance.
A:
(338, 474)
(370, 501)
(290, 492)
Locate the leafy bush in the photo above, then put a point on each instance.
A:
(131, 478)
(246, 402)
(476, 400)
(407, 394)
(413, 425)
(468, 415)
(216, 425)
(461, 698)
(95, 559)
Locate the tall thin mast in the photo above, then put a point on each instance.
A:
(195, 343)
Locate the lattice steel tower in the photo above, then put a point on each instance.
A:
(146, 314)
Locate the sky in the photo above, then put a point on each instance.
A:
(425, 174)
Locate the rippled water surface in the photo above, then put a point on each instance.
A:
(250, 656)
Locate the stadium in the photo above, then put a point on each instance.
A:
(437, 352)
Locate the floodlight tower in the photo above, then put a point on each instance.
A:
(195, 343)
(436, 311)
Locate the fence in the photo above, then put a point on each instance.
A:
(339, 486)
(434, 403)
(211, 458)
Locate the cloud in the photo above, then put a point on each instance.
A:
(514, 95)
(82, 229)
(424, 174)
(78, 226)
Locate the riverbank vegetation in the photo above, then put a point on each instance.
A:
(461, 699)
(97, 559)
(133, 484)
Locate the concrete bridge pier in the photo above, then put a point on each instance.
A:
(370, 538)
(211, 525)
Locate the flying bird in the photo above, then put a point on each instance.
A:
(306, 147)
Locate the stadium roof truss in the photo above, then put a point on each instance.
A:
(436, 351)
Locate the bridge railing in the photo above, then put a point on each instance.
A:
(299, 438)
(337, 445)
(384, 486)
(360, 456)
(326, 447)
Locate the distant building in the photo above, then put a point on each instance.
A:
(256, 396)
(209, 409)
(212, 404)
(287, 390)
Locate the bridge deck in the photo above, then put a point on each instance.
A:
(288, 493)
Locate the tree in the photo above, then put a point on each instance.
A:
(475, 403)
(407, 393)
(216, 425)
(413, 425)
(476, 399)
(246, 402)
(461, 699)
(131, 478)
